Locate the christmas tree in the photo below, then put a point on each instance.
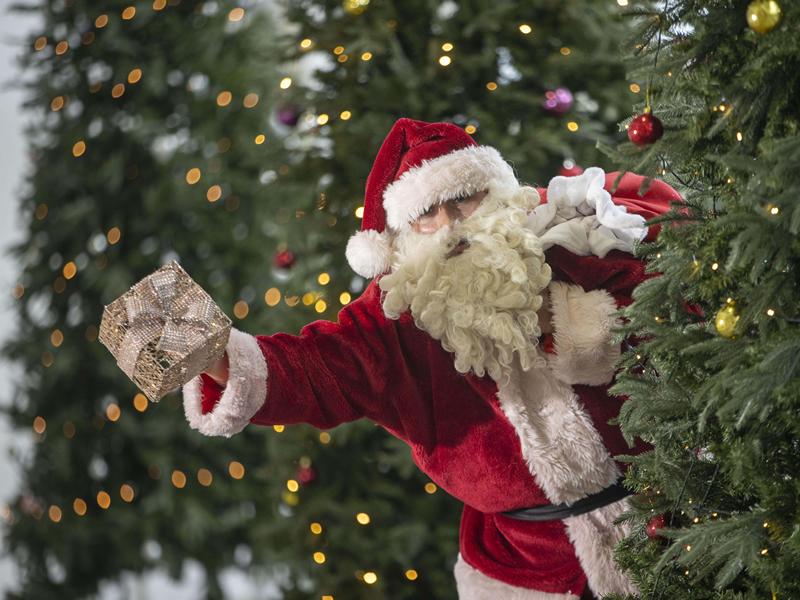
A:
(713, 380)
(169, 132)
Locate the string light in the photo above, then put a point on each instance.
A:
(40, 43)
(204, 477)
(279, 428)
(320, 306)
(444, 60)
(338, 50)
(344, 298)
(236, 14)
(236, 469)
(272, 297)
(470, 129)
(140, 402)
(214, 193)
(322, 119)
(565, 51)
(325, 437)
(572, 126)
(342, 58)
(739, 136)
(126, 492)
(319, 557)
(359, 212)
(634, 87)
(224, 98)
(103, 500)
(56, 338)
(241, 309)
(370, 577)
(79, 506)
(128, 13)
(39, 425)
(54, 512)
(113, 412)
(193, 175)
(362, 518)
(250, 100)
(525, 29)
(135, 75)
(447, 46)
(159, 4)
(101, 21)
(770, 313)
(366, 56)
(292, 485)
(345, 115)
(178, 479)
(315, 528)
(491, 86)
(78, 148)
(118, 90)
(62, 47)
(430, 488)
(715, 266)
(324, 278)
(286, 83)
(306, 44)
(411, 575)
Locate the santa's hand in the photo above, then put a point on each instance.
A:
(219, 370)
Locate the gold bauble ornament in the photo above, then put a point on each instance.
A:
(355, 7)
(727, 319)
(763, 15)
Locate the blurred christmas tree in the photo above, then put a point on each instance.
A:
(714, 384)
(167, 131)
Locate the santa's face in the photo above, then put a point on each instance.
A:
(447, 213)
(475, 283)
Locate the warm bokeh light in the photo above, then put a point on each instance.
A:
(292, 485)
(345, 115)
(70, 270)
(56, 337)
(344, 298)
(322, 119)
(286, 83)
(140, 402)
(236, 469)
(103, 500)
(178, 479)
(214, 193)
(193, 175)
(324, 279)
(62, 47)
(572, 126)
(101, 21)
(260, 139)
(129, 13)
(159, 4)
(445, 60)
(634, 87)
(224, 98)
(126, 492)
(250, 100)
(135, 75)
(306, 44)
(370, 577)
(315, 528)
(78, 148)
(54, 512)
(113, 236)
(241, 309)
(491, 86)
(237, 14)
(79, 506)
(470, 129)
(40, 43)
(525, 28)
(360, 212)
(272, 297)
(325, 437)
(319, 557)
(362, 518)
(39, 425)
(565, 51)
(430, 488)
(57, 103)
(320, 306)
(113, 412)
(204, 477)
(411, 575)
(118, 90)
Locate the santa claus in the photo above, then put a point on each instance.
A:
(484, 341)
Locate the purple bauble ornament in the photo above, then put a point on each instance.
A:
(288, 115)
(557, 101)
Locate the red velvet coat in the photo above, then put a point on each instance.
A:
(544, 438)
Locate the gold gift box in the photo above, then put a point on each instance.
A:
(164, 331)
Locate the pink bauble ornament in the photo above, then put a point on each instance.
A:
(557, 101)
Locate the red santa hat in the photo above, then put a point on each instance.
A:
(418, 165)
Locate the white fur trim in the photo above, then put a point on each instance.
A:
(594, 536)
(369, 252)
(582, 323)
(463, 171)
(242, 397)
(471, 584)
(560, 444)
(567, 457)
(581, 216)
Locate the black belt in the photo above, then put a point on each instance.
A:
(552, 512)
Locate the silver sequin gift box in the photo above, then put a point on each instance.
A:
(164, 331)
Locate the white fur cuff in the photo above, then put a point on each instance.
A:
(582, 323)
(243, 396)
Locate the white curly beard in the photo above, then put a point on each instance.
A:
(475, 286)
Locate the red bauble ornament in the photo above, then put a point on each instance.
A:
(645, 129)
(306, 475)
(283, 259)
(656, 523)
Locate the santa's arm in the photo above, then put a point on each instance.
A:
(329, 374)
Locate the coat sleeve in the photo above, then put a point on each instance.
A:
(329, 374)
(587, 289)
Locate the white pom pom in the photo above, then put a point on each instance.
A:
(369, 253)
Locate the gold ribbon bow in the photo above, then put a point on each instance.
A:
(155, 311)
